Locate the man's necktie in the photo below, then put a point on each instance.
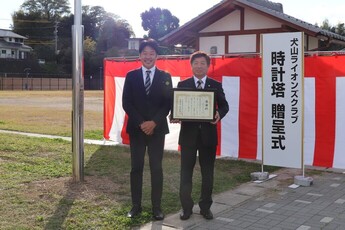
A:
(147, 82)
(199, 86)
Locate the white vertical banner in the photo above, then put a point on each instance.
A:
(230, 133)
(282, 92)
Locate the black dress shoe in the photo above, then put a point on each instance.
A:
(136, 210)
(207, 214)
(158, 214)
(185, 214)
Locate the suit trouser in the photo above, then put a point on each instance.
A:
(155, 146)
(207, 156)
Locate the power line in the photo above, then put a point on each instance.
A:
(40, 43)
(32, 21)
(32, 27)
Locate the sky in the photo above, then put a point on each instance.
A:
(311, 11)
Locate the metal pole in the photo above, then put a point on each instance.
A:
(27, 78)
(78, 97)
(27, 81)
(100, 77)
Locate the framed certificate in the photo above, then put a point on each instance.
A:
(193, 104)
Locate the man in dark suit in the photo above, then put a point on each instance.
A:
(147, 100)
(200, 137)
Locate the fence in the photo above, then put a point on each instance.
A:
(31, 81)
(23, 81)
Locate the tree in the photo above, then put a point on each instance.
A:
(158, 22)
(49, 9)
(49, 33)
(38, 30)
(339, 29)
(89, 55)
(93, 19)
(38, 21)
(102, 31)
(114, 33)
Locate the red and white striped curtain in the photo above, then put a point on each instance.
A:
(240, 130)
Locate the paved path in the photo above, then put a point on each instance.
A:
(86, 141)
(272, 205)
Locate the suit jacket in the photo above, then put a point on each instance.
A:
(189, 130)
(141, 107)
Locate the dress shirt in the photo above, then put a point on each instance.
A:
(203, 81)
(151, 74)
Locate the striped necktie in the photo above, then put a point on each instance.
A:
(147, 82)
(199, 86)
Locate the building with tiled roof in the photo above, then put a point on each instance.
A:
(236, 26)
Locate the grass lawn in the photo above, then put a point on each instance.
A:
(36, 190)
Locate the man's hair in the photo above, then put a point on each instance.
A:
(198, 54)
(148, 42)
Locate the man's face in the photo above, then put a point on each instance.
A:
(148, 57)
(199, 67)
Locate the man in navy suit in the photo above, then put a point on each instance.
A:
(147, 100)
(200, 137)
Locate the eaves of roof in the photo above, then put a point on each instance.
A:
(291, 21)
(191, 28)
(10, 34)
(10, 45)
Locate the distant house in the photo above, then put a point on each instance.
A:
(133, 43)
(236, 26)
(12, 45)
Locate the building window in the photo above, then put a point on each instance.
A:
(132, 45)
(213, 50)
(3, 51)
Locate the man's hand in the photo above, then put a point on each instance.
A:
(147, 127)
(175, 121)
(217, 118)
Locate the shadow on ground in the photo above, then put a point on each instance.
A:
(103, 176)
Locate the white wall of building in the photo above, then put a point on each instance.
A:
(253, 20)
(207, 42)
(312, 42)
(231, 22)
(242, 43)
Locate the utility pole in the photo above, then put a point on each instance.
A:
(56, 36)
